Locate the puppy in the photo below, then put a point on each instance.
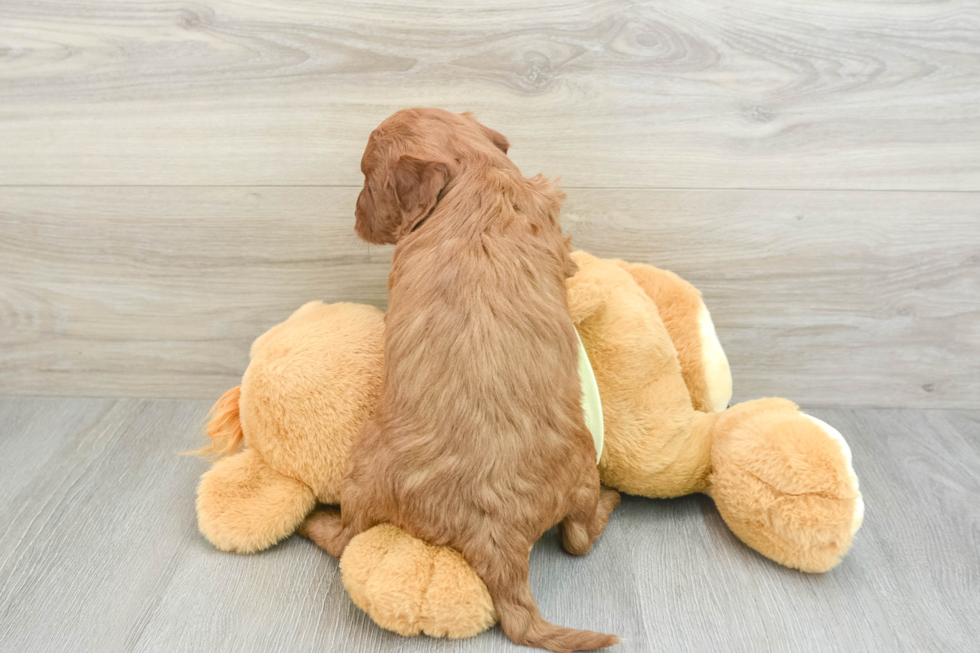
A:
(478, 441)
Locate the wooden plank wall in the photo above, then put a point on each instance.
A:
(175, 178)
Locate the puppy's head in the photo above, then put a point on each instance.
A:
(409, 159)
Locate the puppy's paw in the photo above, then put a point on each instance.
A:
(323, 527)
(608, 500)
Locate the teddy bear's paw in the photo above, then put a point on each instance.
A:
(243, 505)
(411, 587)
(809, 532)
(784, 483)
(857, 515)
(822, 523)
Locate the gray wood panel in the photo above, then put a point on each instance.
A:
(99, 552)
(674, 94)
(826, 297)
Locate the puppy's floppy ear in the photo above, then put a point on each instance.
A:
(417, 186)
(498, 139)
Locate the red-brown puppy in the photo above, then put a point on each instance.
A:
(478, 441)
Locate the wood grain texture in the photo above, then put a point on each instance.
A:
(611, 93)
(861, 298)
(100, 552)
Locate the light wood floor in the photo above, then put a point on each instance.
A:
(100, 552)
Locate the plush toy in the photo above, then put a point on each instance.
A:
(782, 480)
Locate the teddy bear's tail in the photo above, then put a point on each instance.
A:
(224, 427)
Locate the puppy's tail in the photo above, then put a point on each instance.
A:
(224, 427)
(507, 580)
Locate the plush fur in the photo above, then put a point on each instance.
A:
(679, 306)
(312, 383)
(478, 441)
(412, 586)
(781, 480)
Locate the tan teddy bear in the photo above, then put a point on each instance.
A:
(782, 480)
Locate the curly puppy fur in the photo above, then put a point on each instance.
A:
(478, 441)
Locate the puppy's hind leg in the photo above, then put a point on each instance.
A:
(326, 529)
(332, 531)
(587, 518)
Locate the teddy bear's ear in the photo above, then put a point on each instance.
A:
(585, 292)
